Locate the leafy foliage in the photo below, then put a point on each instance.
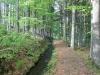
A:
(14, 45)
(12, 42)
(19, 63)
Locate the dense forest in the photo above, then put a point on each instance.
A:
(25, 24)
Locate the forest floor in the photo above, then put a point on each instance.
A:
(23, 63)
(69, 62)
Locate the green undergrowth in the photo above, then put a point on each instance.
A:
(17, 50)
(52, 64)
(92, 66)
(89, 63)
(79, 52)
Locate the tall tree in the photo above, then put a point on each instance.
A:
(64, 21)
(17, 15)
(0, 14)
(73, 27)
(7, 14)
(95, 36)
(27, 17)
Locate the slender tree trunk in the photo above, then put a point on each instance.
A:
(9, 24)
(61, 25)
(0, 14)
(69, 27)
(64, 23)
(17, 15)
(6, 15)
(43, 30)
(13, 16)
(73, 30)
(28, 16)
(84, 37)
(64, 28)
(34, 26)
(3, 13)
(80, 32)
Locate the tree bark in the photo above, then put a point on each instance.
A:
(64, 22)
(0, 14)
(17, 15)
(28, 16)
(73, 29)
(34, 26)
(80, 31)
(95, 36)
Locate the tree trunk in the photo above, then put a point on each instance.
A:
(80, 32)
(64, 23)
(34, 26)
(28, 21)
(64, 28)
(6, 14)
(95, 38)
(73, 29)
(9, 23)
(0, 14)
(84, 32)
(17, 15)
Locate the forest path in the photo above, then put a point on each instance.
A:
(68, 62)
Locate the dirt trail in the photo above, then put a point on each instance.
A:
(69, 63)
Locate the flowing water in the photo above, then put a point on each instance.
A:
(41, 65)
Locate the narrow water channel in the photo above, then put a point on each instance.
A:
(42, 64)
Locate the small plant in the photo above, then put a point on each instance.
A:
(10, 72)
(30, 53)
(31, 58)
(79, 52)
(19, 63)
(7, 56)
(38, 43)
